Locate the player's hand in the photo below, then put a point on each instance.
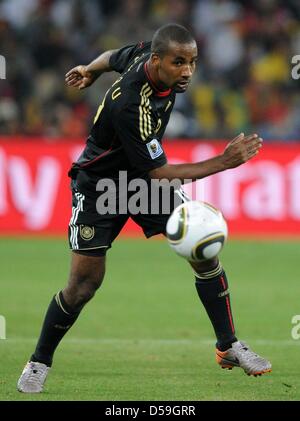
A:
(79, 77)
(241, 149)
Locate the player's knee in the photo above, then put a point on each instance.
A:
(82, 288)
(205, 265)
(88, 285)
(85, 293)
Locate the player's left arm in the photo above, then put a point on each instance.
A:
(237, 152)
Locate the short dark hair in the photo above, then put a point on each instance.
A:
(168, 33)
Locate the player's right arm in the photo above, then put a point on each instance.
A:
(240, 150)
(112, 60)
(83, 76)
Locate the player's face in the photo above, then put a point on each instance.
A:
(176, 67)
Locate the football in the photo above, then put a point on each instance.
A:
(196, 231)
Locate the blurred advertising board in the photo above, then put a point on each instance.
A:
(259, 198)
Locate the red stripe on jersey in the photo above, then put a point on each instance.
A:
(96, 159)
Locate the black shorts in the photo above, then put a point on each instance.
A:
(92, 233)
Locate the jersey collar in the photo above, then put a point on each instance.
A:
(153, 85)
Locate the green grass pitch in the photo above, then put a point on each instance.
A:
(145, 336)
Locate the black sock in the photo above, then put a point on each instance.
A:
(212, 288)
(58, 320)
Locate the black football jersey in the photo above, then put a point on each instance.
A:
(130, 121)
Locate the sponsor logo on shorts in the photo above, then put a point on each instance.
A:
(86, 232)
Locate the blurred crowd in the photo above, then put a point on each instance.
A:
(242, 83)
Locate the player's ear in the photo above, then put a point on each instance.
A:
(155, 59)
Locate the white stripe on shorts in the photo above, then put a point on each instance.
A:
(73, 227)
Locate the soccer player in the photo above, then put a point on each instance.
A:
(126, 139)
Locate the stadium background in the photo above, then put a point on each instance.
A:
(242, 83)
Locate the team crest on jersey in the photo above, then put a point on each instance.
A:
(86, 232)
(154, 148)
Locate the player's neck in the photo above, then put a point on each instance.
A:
(153, 74)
